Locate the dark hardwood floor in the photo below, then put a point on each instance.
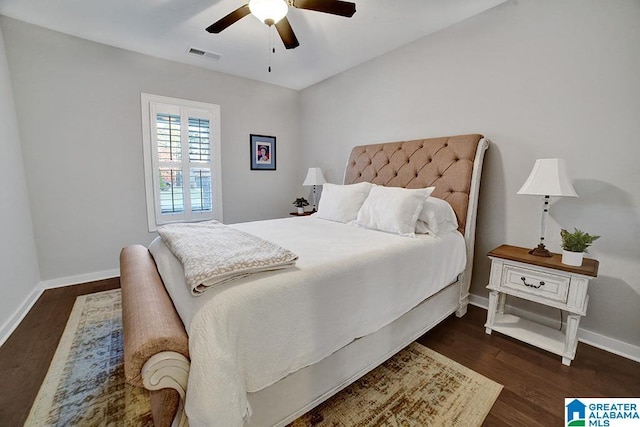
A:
(25, 356)
(535, 382)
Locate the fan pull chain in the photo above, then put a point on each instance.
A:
(272, 48)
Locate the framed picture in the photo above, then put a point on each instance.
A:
(263, 152)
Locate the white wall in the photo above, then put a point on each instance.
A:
(540, 79)
(19, 274)
(78, 107)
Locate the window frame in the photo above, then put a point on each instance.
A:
(150, 106)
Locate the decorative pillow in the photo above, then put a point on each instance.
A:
(437, 216)
(393, 209)
(342, 202)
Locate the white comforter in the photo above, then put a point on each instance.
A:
(347, 283)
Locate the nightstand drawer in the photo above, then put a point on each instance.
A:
(550, 286)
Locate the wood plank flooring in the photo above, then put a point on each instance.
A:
(535, 382)
(26, 355)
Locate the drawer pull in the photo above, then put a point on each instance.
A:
(524, 280)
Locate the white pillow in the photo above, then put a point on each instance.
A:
(437, 216)
(393, 209)
(342, 202)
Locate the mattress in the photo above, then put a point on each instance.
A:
(348, 282)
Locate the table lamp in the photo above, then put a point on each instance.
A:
(314, 177)
(548, 178)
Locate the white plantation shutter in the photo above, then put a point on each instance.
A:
(200, 154)
(182, 160)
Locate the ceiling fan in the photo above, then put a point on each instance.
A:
(274, 12)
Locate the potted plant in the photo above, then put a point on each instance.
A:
(574, 246)
(300, 203)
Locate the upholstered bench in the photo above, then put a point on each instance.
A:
(154, 338)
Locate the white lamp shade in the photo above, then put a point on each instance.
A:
(265, 10)
(314, 177)
(548, 178)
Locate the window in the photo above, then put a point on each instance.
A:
(182, 160)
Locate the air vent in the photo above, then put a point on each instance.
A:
(206, 54)
(197, 51)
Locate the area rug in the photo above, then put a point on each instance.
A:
(85, 383)
(416, 387)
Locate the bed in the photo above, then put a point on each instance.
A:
(161, 356)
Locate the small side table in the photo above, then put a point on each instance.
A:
(306, 213)
(545, 281)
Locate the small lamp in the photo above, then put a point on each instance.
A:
(314, 177)
(548, 178)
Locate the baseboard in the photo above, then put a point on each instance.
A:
(80, 278)
(611, 345)
(10, 325)
(594, 339)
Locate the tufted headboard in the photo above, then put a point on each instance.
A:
(446, 163)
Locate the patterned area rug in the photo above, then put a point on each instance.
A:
(416, 387)
(85, 383)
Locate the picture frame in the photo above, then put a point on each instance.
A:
(262, 151)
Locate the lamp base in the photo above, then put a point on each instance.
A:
(540, 250)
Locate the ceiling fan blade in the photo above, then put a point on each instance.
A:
(231, 18)
(286, 33)
(334, 7)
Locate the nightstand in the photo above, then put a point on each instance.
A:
(544, 281)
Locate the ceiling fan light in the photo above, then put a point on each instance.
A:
(268, 10)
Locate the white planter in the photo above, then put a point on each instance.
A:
(300, 211)
(572, 258)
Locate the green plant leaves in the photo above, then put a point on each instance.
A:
(578, 241)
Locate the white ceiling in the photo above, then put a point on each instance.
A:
(328, 44)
